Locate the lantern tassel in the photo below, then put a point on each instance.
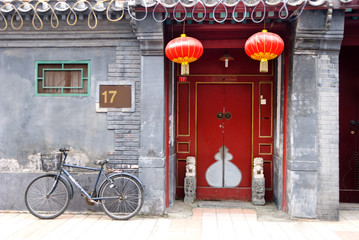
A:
(184, 69)
(263, 66)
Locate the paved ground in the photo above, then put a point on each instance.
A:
(202, 221)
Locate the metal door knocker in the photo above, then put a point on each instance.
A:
(219, 115)
(228, 115)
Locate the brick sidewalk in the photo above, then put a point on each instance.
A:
(205, 223)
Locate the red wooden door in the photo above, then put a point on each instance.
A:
(224, 135)
(348, 127)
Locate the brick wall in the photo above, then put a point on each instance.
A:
(302, 144)
(313, 117)
(328, 136)
(126, 125)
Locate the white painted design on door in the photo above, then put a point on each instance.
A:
(223, 173)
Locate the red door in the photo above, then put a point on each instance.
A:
(348, 126)
(224, 118)
(224, 135)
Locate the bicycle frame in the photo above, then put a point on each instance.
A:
(72, 179)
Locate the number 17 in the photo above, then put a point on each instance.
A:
(112, 93)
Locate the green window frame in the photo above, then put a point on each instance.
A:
(62, 78)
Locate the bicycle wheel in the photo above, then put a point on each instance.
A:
(42, 204)
(122, 197)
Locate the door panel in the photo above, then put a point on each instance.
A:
(348, 127)
(209, 128)
(238, 130)
(224, 147)
(224, 135)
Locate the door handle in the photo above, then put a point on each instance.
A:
(226, 115)
(219, 115)
(353, 125)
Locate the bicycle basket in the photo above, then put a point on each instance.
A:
(51, 162)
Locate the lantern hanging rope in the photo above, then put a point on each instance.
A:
(184, 50)
(264, 46)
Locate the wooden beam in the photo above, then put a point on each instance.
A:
(223, 43)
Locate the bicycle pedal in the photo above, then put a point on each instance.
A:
(91, 202)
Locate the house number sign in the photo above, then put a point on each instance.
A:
(115, 96)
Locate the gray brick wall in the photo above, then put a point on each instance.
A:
(313, 121)
(126, 125)
(302, 148)
(328, 137)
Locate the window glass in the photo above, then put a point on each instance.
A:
(62, 78)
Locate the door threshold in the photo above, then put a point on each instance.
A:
(225, 204)
(349, 206)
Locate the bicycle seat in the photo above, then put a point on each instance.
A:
(100, 162)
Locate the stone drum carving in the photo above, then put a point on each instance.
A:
(190, 166)
(258, 182)
(258, 168)
(190, 180)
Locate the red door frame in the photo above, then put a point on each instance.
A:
(285, 112)
(212, 43)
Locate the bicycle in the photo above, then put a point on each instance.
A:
(47, 196)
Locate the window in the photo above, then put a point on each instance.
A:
(62, 78)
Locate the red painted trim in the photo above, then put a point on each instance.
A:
(223, 43)
(228, 28)
(286, 78)
(167, 139)
(351, 36)
(244, 194)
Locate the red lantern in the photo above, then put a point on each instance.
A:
(264, 46)
(184, 50)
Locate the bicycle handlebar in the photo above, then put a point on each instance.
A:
(64, 150)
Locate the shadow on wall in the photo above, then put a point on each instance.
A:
(34, 163)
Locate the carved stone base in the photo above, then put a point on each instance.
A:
(190, 189)
(258, 191)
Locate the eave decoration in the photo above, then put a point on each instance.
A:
(264, 46)
(15, 13)
(184, 50)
